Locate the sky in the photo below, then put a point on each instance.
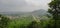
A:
(23, 5)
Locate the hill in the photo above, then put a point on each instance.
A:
(40, 12)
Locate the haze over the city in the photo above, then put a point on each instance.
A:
(23, 5)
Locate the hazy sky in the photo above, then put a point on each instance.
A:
(23, 5)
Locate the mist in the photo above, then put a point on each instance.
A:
(23, 5)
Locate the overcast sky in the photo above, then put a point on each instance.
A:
(23, 5)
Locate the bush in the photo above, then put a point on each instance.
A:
(4, 21)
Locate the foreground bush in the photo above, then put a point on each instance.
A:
(4, 21)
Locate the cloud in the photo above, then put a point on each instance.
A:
(23, 5)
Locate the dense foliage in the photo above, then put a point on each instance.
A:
(55, 11)
(4, 21)
(22, 22)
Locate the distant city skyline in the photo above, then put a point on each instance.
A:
(23, 5)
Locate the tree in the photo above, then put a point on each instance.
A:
(34, 24)
(4, 22)
(55, 11)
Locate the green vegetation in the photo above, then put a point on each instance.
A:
(22, 22)
(55, 11)
(35, 19)
(4, 21)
